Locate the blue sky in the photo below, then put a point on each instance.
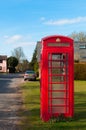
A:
(24, 22)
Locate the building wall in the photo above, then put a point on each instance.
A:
(3, 65)
(79, 51)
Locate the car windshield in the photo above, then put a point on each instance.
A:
(30, 72)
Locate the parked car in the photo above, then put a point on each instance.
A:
(30, 75)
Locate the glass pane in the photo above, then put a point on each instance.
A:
(57, 102)
(58, 86)
(57, 70)
(56, 109)
(49, 71)
(58, 79)
(50, 94)
(58, 94)
(57, 56)
(49, 63)
(58, 64)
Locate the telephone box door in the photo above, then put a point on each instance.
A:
(58, 83)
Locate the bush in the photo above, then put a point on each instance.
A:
(12, 69)
(80, 71)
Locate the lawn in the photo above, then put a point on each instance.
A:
(31, 113)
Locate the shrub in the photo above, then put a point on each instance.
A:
(80, 71)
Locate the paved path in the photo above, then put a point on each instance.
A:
(10, 101)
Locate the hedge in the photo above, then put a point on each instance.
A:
(80, 71)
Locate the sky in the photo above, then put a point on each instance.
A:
(24, 22)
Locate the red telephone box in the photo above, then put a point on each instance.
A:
(57, 87)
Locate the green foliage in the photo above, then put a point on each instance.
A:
(80, 71)
(23, 66)
(12, 69)
(18, 53)
(12, 62)
(34, 64)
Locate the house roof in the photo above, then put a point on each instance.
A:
(3, 57)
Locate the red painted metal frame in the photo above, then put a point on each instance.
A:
(44, 83)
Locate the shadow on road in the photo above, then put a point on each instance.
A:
(11, 75)
(8, 82)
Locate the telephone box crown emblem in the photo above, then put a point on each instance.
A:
(58, 40)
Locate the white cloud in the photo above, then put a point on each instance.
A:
(19, 40)
(12, 39)
(24, 44)
(65, 21)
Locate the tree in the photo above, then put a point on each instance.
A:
(81, 36)
(12, 62)
(34, 64)
(23, 66)
(18, 53)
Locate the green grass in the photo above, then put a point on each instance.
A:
(31, 113)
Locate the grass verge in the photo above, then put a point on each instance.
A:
(31, 113)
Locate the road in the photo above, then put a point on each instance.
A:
(10, 101)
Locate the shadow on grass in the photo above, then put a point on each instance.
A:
(33, 122)
(80, 106)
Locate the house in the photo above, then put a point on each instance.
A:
(79, 51)
(3, 63)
